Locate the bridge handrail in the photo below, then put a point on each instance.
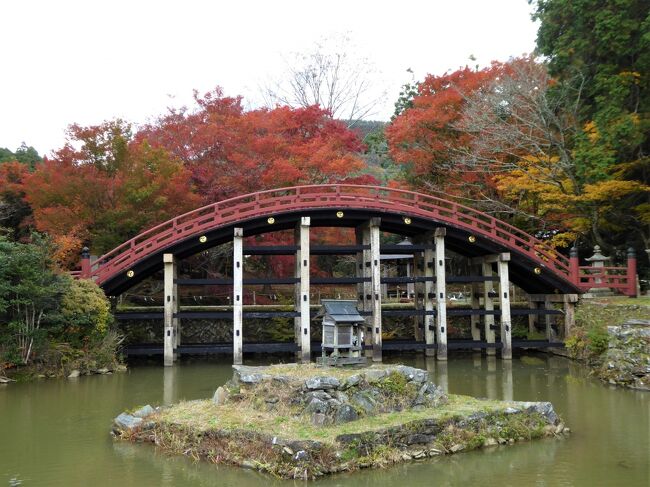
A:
(405, 202)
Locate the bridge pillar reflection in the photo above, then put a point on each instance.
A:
(441, 293)
(302, 303)
(238, 295)
(171, 334)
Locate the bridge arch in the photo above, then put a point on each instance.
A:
(534, 266)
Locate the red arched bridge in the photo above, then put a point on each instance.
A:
(473, 233)
(500, 253)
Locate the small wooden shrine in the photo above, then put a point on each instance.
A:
(342, 333)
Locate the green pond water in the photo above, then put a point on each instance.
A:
(56, 432)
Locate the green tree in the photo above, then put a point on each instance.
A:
(30, 293)
(601, 49)
(24, 154)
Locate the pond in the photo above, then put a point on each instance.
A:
(56, 432)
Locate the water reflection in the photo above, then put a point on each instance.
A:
(169, 385)
(58, 430)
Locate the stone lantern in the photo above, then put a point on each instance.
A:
(597, 263)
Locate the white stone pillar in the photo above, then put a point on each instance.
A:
(441, 294)
(506, 321)
(375, 267)
(488, 289)
(429, 297)
(169, 305)
(238, 296)
(302, 322)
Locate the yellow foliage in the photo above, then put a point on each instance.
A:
(592, 131)
(563, 239)
(614, 189)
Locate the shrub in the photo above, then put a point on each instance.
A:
(85, 313)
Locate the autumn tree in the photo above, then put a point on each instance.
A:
(425, 138)
(104, 187)
(606, 44)
(230, 151)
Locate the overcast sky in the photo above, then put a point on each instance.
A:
(87, 61)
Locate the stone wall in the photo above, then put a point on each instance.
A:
(627, 359)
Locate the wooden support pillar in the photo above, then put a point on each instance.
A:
(169, 271)
(429, 298)
(238, 296)
(488, 300)
(418, 296)
(475, 300)
(176, 321)
(376, 289)
(506, 322)
(365, 271)
(551, 336)
(570, 301)
(532, 305)
(441, 294)
(302, 322)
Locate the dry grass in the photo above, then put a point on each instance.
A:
(306, 371)
(203, 415)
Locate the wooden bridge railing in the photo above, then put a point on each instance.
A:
(339, 196)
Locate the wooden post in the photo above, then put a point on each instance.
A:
(506, 322)
(531, 317)
(376, 289)
(475, 320)
(631, 290)
(176, 321)
(488, 289)
(238, 296)
(570, 301)
(168, 328)
(550, 334)
(418, 289)
(363, 237)
(85, 263)
(302, 322)
(441, 294)
(574, 266)
(429, 297)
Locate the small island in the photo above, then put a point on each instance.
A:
(306, 421)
